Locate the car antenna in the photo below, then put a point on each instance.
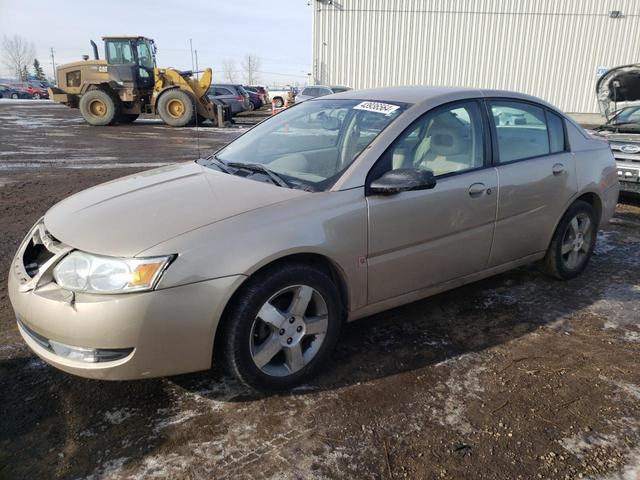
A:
(194, 70)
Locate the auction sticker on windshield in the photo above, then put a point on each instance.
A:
(378, 107)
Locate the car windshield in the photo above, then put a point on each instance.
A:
(628, 118)
(311, 144)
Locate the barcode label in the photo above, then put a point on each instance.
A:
(378, 107)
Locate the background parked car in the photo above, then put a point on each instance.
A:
(262, 90)
(255, 99)
(279, 95)
(35, 92)
(233, 95)
(7, 92)
(313, 91)
(622, 131)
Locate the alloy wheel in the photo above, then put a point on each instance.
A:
(577, 241)
(288, 330)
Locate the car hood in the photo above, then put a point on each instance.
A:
(129, 215)
(617, 137)
(620, 84)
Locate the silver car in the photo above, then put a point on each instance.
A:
(315, 91)
(327, 212)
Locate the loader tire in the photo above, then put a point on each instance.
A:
(99, 108)
(177, 108)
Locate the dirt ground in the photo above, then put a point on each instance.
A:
(515, 377)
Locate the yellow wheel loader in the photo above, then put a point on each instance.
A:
(128, 83)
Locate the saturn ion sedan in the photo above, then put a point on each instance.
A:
(330, 211)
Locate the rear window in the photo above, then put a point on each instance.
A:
(242, 91)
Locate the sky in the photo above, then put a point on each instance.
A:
(277, 31)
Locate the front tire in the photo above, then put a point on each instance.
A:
(15, 96)
(279, 102)
(281, 327)
(177, 108)
(572, 243)
(99, 108)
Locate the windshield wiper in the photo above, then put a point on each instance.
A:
(258, 167)
(218, 163)
(614, 126)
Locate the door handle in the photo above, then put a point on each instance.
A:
(557, 169)
(477, 189)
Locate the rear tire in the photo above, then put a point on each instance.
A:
(15, 96)
(279, 102)
(99, 108)
(572, 243)
(177, 108)
(293, 308)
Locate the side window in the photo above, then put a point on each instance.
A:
(445, 140)
(521, 130)
(555, 124)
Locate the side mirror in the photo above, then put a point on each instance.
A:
(403, 180)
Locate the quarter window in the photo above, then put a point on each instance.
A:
(556, 132)
(445, 140)
(521, 130)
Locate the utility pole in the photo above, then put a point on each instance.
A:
(53, 64)
(191, 48)
(197, 69)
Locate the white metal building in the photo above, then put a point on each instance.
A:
(554, 49)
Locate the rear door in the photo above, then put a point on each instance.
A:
(419, 239)
(536, 177)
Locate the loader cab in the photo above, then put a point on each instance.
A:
(130, 61)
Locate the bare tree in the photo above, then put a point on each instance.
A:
(250, 67)
(229, 70)
(17, 54)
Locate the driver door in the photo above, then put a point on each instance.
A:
(419, 239)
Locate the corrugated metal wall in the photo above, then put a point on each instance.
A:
(547, 48)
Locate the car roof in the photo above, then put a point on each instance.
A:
(421, 94)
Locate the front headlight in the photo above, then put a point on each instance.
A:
(83, 272)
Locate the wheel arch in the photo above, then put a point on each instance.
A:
(590, 197)
(316, 260)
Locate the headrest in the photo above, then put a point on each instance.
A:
(446, 141)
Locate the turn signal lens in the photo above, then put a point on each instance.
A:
(145, 273)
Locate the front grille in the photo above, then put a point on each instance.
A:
(35, 256)
(38, 254)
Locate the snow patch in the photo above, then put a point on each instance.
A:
(109, 470)
(118, 416)
(174, 419)
(605, 243)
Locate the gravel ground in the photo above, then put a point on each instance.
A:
(517, 376)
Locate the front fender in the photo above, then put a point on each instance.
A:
(330, 224)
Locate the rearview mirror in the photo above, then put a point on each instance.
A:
(403, 180)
